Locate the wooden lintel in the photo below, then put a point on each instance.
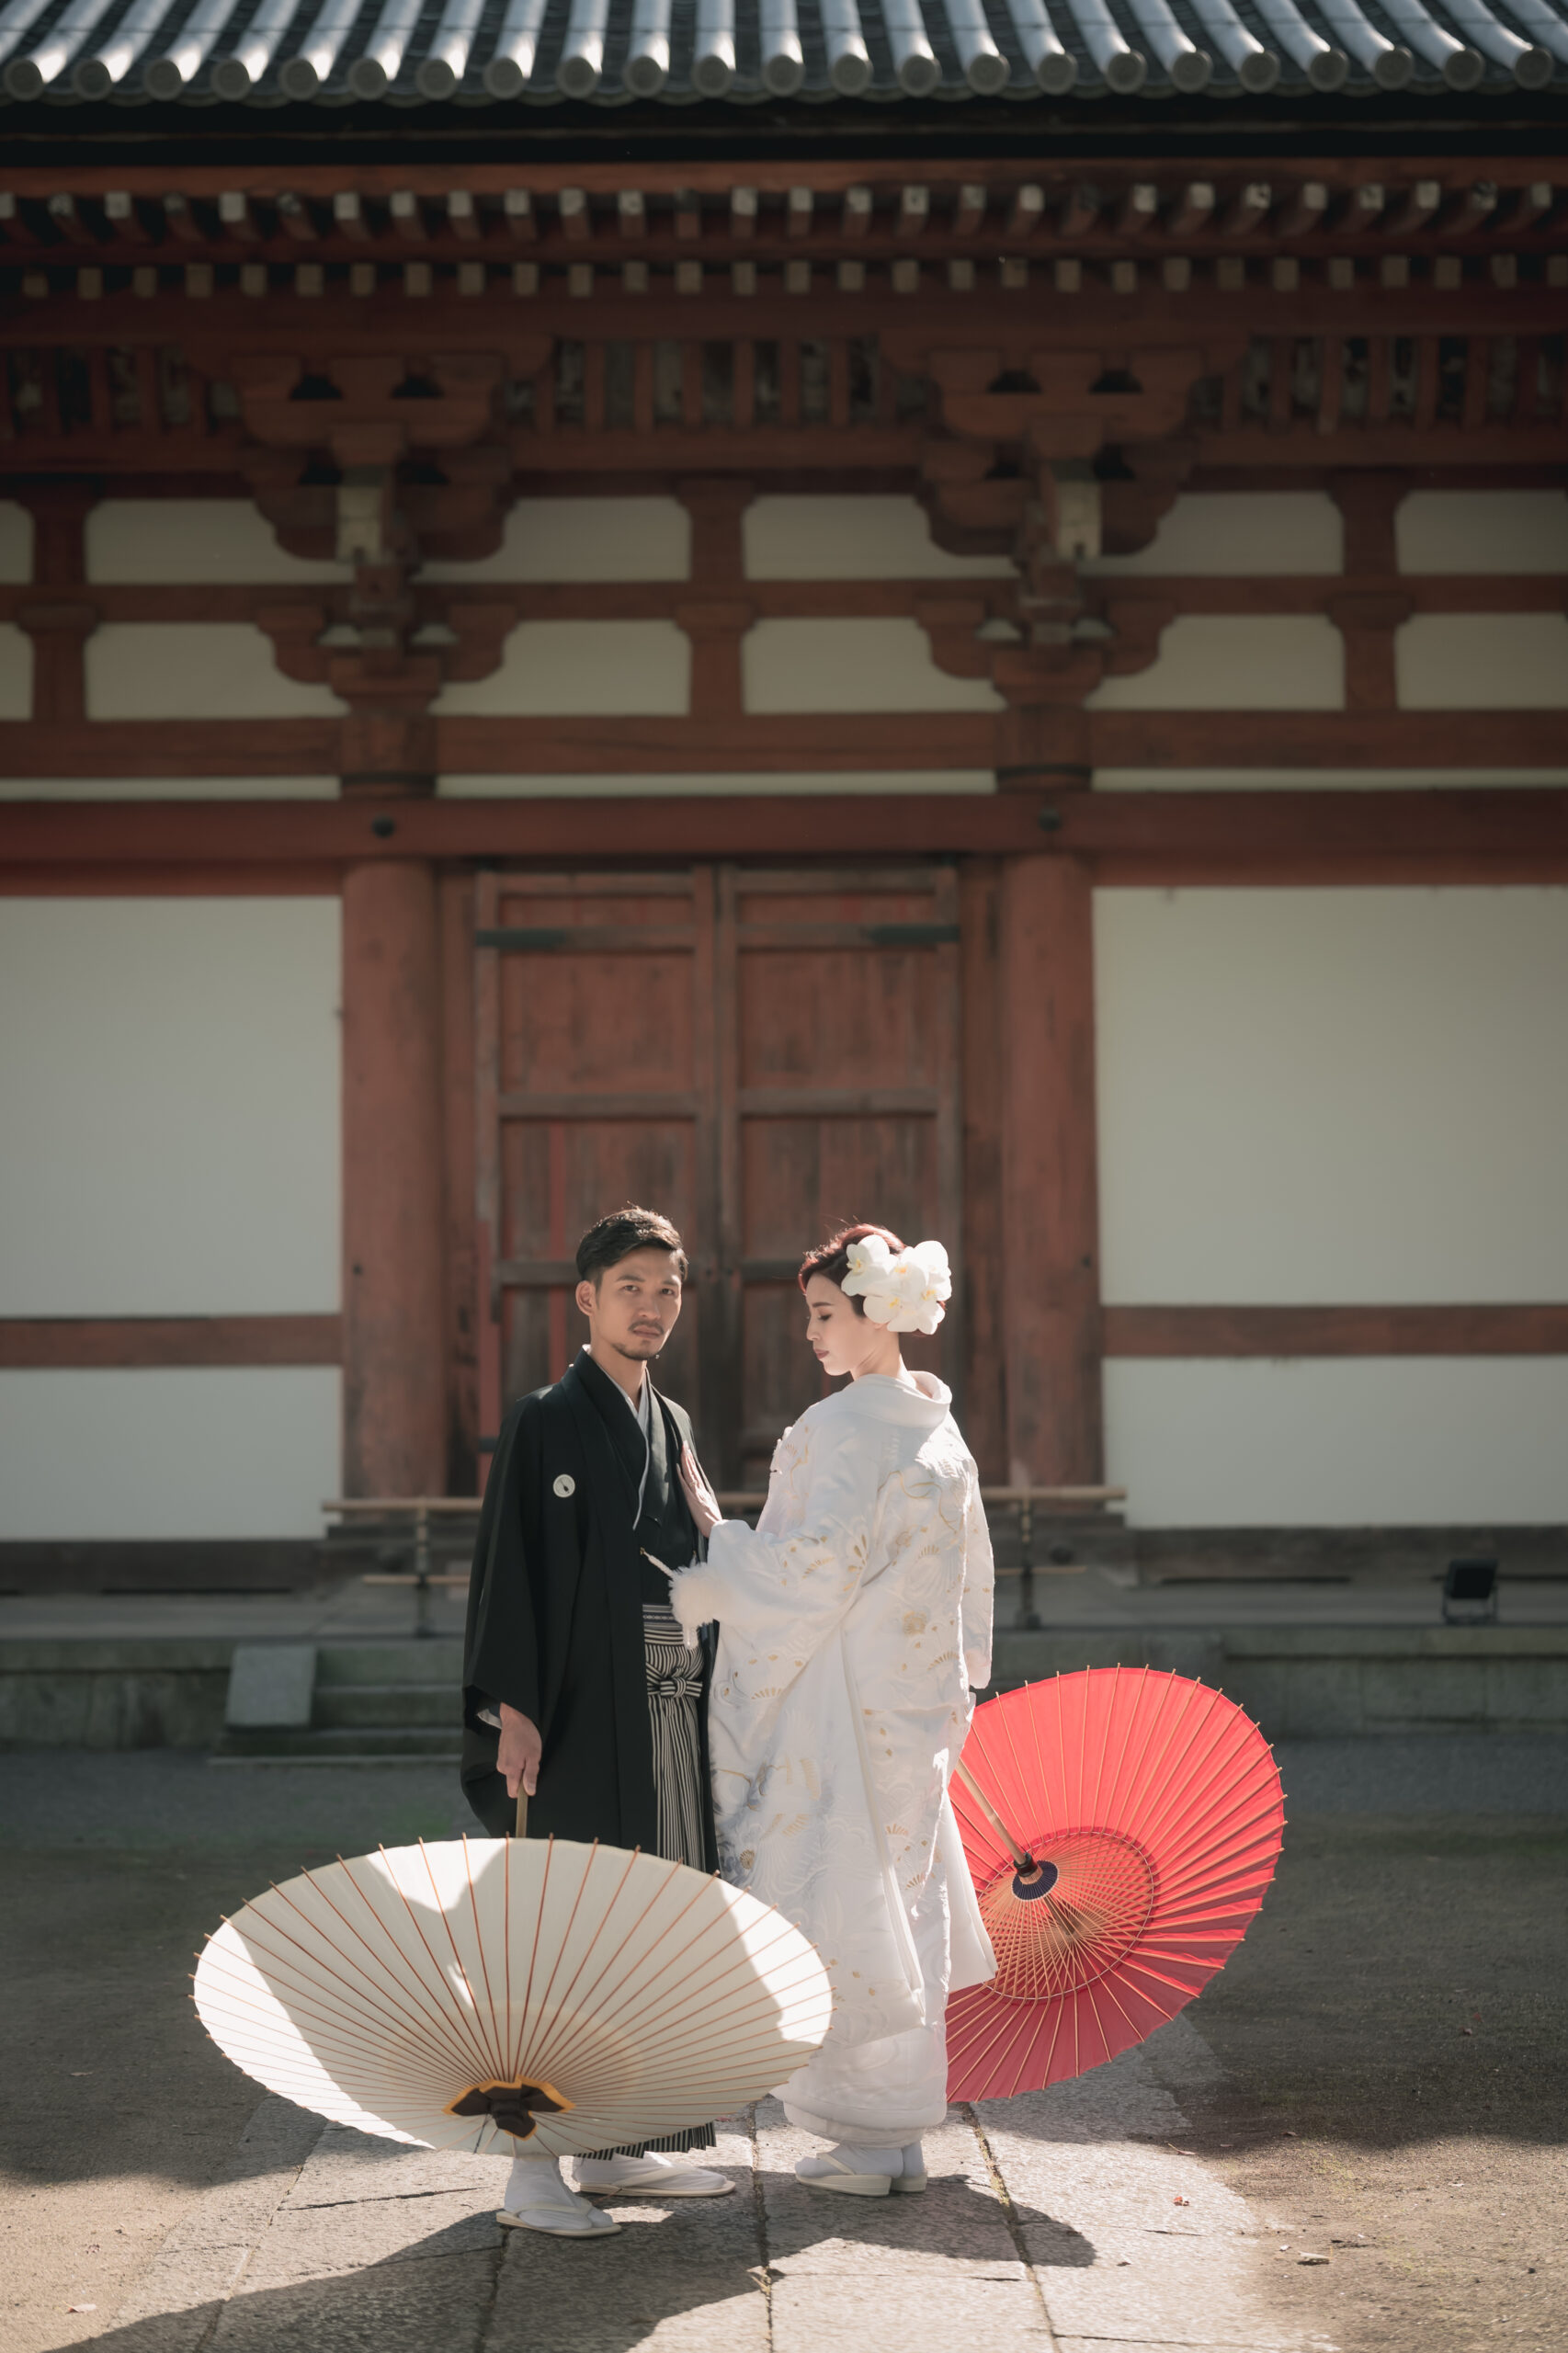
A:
(435, 179)
(857, 741)
(444, 318)
(53, 1343)
(1502, 833)
(1434, 450)
(1439, 1331)
(1480, 592)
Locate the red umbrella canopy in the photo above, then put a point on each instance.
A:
(1121, 1826)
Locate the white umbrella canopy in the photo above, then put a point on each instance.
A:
(495, 1992)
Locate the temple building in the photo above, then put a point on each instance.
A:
(953, 611)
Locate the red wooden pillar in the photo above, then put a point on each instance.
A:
(1050, 1274)
(393, 1405)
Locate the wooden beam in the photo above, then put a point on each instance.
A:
(1246, 208)
(1420, 203)
(969, 209)
(1509, 166)
(1051, 1305)
(1480, 740)
(1498, 835)
(394, 1435)
(55, 1343)
(1138, 209)
(1304, 212)
(1506, 1331)
(725, 496)
(1081, 210)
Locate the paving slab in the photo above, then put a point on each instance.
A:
(898, 2313)
(957, 2226)
(385, 2308)
(178, 2300)
(1133, 2241)
(682, 2277)
(1072, 2215)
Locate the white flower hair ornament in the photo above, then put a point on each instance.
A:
(902, 1289)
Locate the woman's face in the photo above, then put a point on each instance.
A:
(841, 1341)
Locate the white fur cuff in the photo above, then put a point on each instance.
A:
(696, 1597)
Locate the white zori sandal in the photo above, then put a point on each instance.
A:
(537, 2199)
(866, 2173)
(652, 2175)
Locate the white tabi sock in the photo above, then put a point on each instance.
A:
(535, 2183)
(888, 2160)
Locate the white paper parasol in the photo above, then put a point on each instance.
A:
(469, 1995)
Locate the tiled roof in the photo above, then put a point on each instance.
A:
(412, 52)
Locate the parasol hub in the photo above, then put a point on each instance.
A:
(1068, 1920)
(512, 2107)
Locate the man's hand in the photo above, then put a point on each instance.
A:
(518, 1756)
(704, 1503)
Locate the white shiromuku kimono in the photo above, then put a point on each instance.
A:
(854, 1624)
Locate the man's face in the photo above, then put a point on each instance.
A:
(634, 1306)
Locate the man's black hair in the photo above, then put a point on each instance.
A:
(617, 1237)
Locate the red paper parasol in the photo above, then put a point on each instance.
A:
(1121, 1826)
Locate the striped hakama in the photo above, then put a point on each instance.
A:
(675, 1695)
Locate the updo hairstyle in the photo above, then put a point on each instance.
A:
(831, 1259)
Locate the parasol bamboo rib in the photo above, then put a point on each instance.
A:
(962, 1772)
(1122, 1763)
(715, 1997)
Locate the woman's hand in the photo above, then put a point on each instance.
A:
(516, 1758)
(704, 1503)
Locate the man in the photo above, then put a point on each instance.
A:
(578, 1686)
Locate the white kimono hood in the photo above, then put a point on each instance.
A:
(853, 1624)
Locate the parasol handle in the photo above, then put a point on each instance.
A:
(1025, 1862)
(522, 1828)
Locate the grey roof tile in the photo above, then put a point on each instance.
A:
(422, 52)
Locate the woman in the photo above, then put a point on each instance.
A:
(854, 1622)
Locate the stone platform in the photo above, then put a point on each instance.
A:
(1056, 2221)
(337, 1674)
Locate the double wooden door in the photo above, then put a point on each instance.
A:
(762, 1054)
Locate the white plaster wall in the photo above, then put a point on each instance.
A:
(168, 788)
(16, 672)
(1236, 662)
(826, 665)
(585, 539)
(819, 781)
(1228, 531)
(1483, 661)
(1482, 530)
(1321, 1097)
(852, 539)
(581, 669)
(169, 1070)
(176, 1452)
(1319, 779)
(16, 542)
(1350, 1441)
(208, 670)
(182, 540)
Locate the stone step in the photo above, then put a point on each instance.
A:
(438, 1662)
(391, 1705)
(324, 1744)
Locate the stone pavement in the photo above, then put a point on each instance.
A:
(1064, 2221)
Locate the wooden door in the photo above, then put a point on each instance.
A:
(842, 1022)
(762, 1054)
